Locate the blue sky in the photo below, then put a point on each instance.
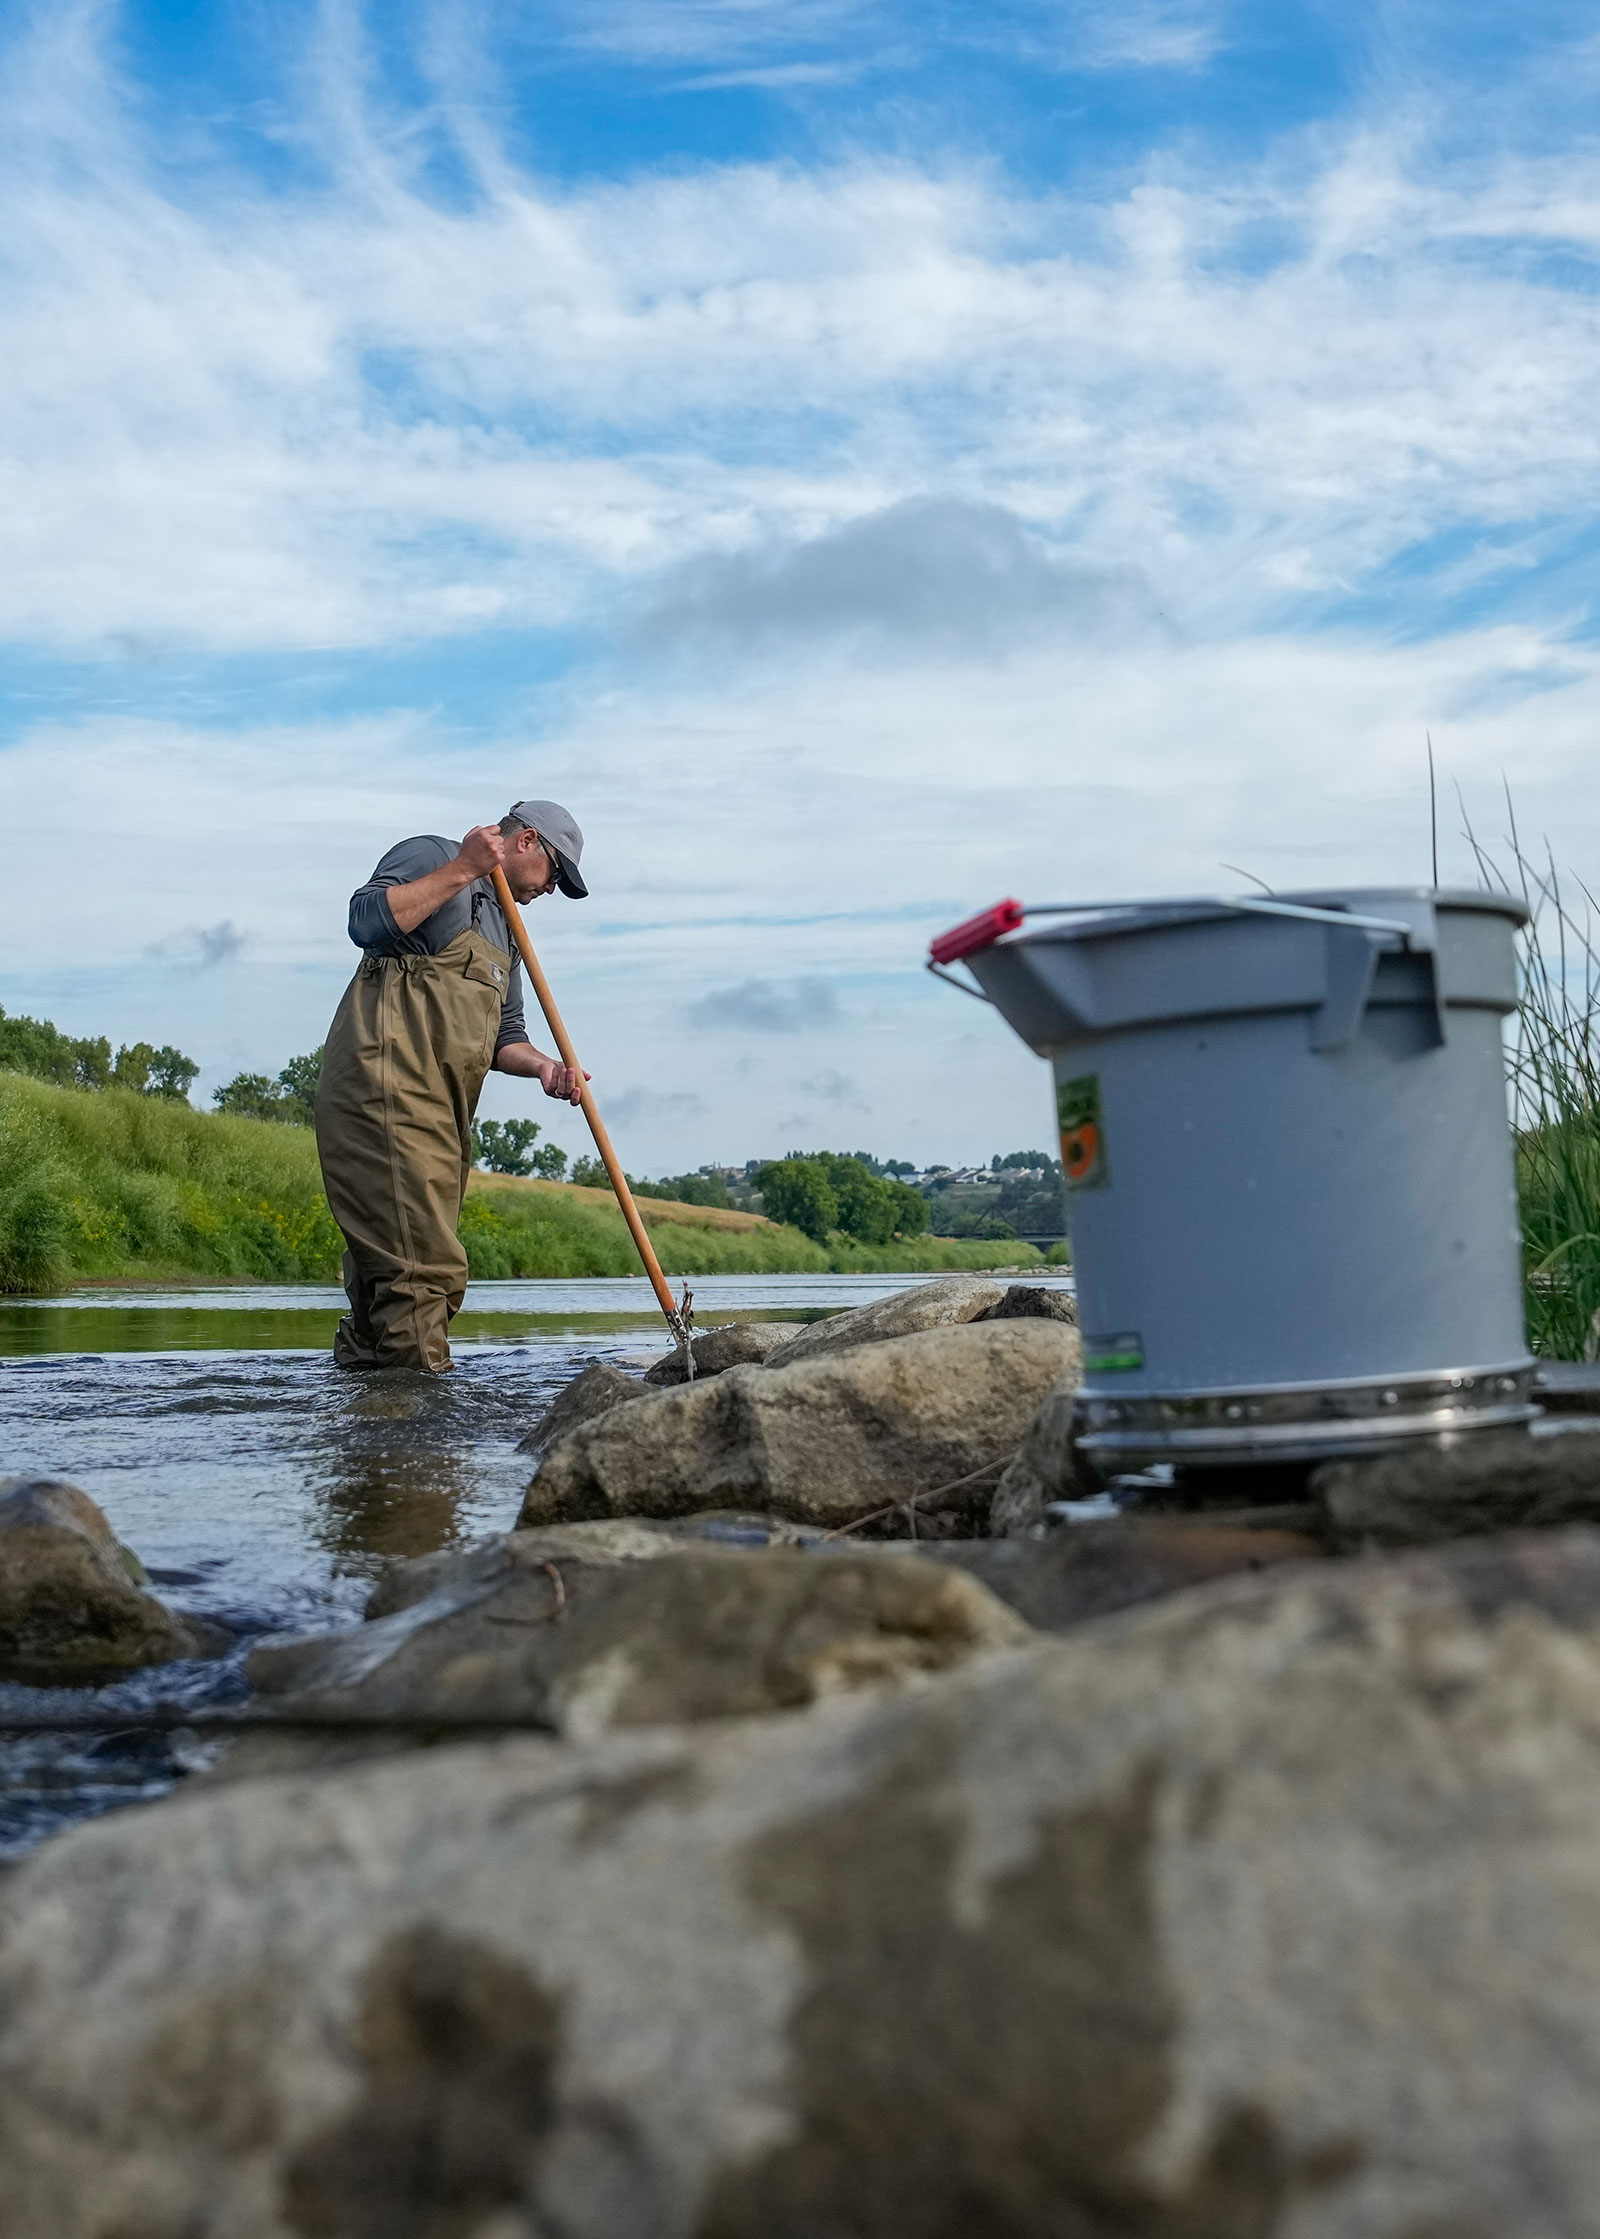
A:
(865, 458)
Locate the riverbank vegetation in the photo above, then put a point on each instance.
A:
(111, 1184)
(1555, 1095)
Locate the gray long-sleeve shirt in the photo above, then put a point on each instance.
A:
(372, 925)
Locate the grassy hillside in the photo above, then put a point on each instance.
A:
(110, 1185)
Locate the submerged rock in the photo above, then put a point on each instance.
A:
(937, 1305)
(593, 1392)
(73, 1609)
(827, 1442)
(576, 1646)
(1269, 1910)
(1489, 1482)
(731, 1345)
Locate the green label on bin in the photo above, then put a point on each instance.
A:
(1123, 1348)
(1083, 1134)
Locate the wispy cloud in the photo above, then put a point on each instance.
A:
(766, 1007)
(830, 1087)
(200, 947)
(1059, 34)
(681, 30)
(636, 1106)
(1165, 35)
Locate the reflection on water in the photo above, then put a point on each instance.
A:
(264, 1488)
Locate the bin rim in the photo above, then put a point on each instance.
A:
(1096, 920)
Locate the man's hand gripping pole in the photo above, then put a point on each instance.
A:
(679, 1312)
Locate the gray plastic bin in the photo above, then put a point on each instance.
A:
(1289, 1165)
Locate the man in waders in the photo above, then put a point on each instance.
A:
(436, 1001)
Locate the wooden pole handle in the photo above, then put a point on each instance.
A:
(602, 1141)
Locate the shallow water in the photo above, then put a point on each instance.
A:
(264, 1489)
(276, 1317)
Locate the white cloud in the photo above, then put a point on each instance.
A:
(832, 1087)
(1165, 35)
(846, 816)
(356, 416)
(200, 947)
(763, 1007)
(635, 1105)
(943, 571)
(1052, 34)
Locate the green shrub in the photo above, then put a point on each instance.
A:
(797, 1190)
(290, 1097)
(826, 1192)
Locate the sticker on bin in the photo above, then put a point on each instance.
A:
(1083, 1134)
(1123, 1348)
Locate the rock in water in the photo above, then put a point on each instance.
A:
(576, 1647)
(827, 1442)
(936, 1305)
(73, 1609)
(1490, 1482)
(1269, 1911)
(731, 1345)
(593, 1392)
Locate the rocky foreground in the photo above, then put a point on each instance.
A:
(792, 1831)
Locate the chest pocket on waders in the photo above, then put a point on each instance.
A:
(490, 969)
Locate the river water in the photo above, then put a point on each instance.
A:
(263, 1488)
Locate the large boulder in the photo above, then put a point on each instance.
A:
(576, 1647)
(729, 1345)
(593, 1392)
(1268, 1910)
(865, 1434)
(940, 1304)
(73, 1607)
(1493, 1481)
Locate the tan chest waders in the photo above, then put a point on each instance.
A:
(404, 1063)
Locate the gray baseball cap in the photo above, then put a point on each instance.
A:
(558, 829)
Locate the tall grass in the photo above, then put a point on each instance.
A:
(1554, 1066)
(114, 1185)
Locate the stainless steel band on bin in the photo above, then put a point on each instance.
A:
(1289, 1161)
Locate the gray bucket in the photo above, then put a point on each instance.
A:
(1289, 1165)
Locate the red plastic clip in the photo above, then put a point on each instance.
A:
(977, 932)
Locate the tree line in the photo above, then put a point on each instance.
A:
(33, 1045)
